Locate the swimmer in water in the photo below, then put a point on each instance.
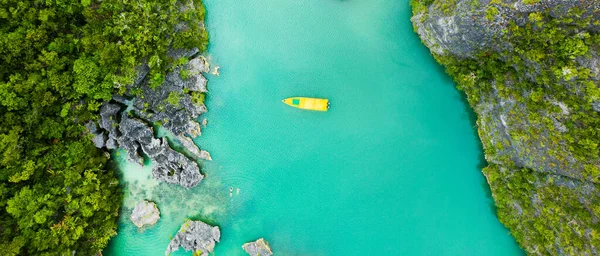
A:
(230, 191)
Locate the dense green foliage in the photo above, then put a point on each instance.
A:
(550, 199)
(59, 61)
(543, 210)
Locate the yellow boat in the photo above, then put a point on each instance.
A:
(308, 103)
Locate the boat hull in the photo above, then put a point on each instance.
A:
(314, 104)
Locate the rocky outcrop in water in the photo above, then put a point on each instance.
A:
(257, 248)
(530, 70)
(145, 213)
(195, 236)
(175, 105)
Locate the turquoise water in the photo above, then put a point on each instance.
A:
(392, 169)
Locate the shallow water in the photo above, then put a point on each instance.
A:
(392, 169)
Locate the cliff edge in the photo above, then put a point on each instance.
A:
(530, 70)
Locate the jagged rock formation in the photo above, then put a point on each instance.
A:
(257, 248)
(195, 236)
(174, 105)
(530, 70)
(145, 213)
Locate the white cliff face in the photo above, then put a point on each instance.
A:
(145, 214)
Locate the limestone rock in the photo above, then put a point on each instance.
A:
(519, 148)
(189, 145)
(169, 105)
(137, 138)
(194, 129)
(99, 140)
(596, 106)
(98, 136)
(145, 213)
(179, 53)
(205, 155)
(92, 127)
(153, 105)
(257, 248)
(462, 30)
(108, 118)
(121, 99)
(173, 167)
(195, 236)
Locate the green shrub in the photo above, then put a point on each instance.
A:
(59, 61)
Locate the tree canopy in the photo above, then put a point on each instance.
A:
(60, 59)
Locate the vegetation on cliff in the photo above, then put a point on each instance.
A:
(536, 94)
(59, 61)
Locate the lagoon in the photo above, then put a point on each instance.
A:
(392, 169)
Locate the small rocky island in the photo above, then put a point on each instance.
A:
(258, 248)
(129, 121)
(145, 213)
(195, 236)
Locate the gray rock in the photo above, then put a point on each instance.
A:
(141, 73)
(98, 136)
(205, 155)
(145, 213)
(257, 248)
(121, 99)
(108, 118)
(154, 106)
(170, 166)
(92, 127)
(463, 29)
(111, 143)
(195, 236)
(179, 53)
(194, 129)
(195, 68)
(517, 144)
(135, 133)
(173, 167)
(596, 106)
(189, 145)
(99, 140)
(168, 105)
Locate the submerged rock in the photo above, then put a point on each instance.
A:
(145, 213)
(257, 248)
(195, 236)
